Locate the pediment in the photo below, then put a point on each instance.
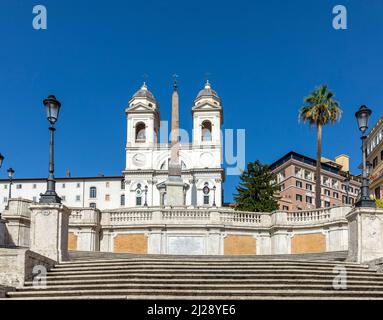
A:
(206, 106)
(140, 107)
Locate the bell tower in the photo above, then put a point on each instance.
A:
(143, 122)
(207, 117)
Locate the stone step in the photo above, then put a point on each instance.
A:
(201, 286)
(327, 256)
(248, 276)
(328, 280)
(206, 267)
(135, 262)
(186, 269)
(200, 294)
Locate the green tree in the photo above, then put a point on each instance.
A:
(320, 110)
(256, 189)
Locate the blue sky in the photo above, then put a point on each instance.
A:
(263, 57)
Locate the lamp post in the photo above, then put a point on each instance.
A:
(52, 106)
(347, 181)
(11, 172)
(146, 196)
(214, 189)
(362, 116)
(1, 159)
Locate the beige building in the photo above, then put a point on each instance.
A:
(375, 158)
(296, 179)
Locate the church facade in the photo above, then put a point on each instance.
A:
(142, 182)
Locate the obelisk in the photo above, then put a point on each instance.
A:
(174, 184)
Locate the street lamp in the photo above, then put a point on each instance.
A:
(214, 189)
(146, 196)
(11, 172)
(347, 181)
(1, 159)
(362, 117)
(52, 106)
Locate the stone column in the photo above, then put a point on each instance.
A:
(49, 230)
(365, 227)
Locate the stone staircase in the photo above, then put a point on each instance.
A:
(126, 276)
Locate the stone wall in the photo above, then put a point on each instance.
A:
(16, 266)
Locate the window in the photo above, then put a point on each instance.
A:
(336, 195)
(107, 184)
(326, 192)
(63, 185)
(93, 192)
(308, 175)
(375, 162)
(381, 155)
(282, 187)
(327, 204)
(377, 193)
(138, 195)
(122, 184)
(107, 197)
(78, 185)
(309, 187)
(92, 205)
(309, 199)
(34, 186)
(344, 199)
(122, 200)
(19, 186)
(206, 199)
(140, 132)
(206, 131)
(34, 199)
(5, 200)
(63, 198)
(78, 198)
(298, 184)
(351, 189)
(5, 186)
(298, 197)
(285, 208)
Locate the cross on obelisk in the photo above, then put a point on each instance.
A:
(174, 184)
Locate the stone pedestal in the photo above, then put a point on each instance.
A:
(365, 234)
(49, 230)
(174, 192)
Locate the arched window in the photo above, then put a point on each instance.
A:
(206, 192)
(140, 132)
(122, 200)
(92, 205)
(93, 192)
(139, 195)
(206, 130)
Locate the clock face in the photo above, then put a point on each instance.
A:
(139, 159)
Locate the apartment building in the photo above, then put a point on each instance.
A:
(375, 159)
(296, 179)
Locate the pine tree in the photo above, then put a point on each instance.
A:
(256, 189)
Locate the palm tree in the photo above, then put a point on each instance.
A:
(320, 110)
